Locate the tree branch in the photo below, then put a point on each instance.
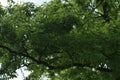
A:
(52, 67)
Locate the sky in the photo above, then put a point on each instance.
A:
(21, 73)
(37, 2)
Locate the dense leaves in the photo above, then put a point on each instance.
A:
(62, 39)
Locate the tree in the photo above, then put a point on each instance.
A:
(62, 39)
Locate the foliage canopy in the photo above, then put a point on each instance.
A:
(62, 39)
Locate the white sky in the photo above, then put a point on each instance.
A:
(21, 74)
(37, 2)
(21, 71)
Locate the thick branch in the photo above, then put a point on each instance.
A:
(52, 67)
